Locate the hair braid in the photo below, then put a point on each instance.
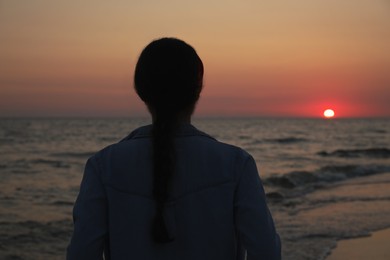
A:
(163, 170)
(168, 78)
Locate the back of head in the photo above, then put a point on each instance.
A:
(168, 78)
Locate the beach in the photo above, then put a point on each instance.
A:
(376, 246)
(327, 182)
(315, 227)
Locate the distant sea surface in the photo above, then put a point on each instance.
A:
(308, 167)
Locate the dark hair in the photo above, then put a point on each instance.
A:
(168, 78)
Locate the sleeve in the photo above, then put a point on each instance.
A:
(89, 217)
(254, 223)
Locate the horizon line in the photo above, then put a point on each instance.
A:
(194, 117)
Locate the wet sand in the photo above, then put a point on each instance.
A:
(313, 225)
(376, 246)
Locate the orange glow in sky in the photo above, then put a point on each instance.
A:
(262, 58)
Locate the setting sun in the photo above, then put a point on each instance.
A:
(328, 113)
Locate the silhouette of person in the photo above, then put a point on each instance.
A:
(168, 190)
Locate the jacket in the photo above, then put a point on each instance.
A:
(216, 209)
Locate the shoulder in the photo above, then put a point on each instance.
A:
(122, 146)
(227, 148)
(203, 145)
(142, 132)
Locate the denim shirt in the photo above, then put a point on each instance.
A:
(216, 208)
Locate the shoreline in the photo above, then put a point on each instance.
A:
(375, 246)
(320, 221)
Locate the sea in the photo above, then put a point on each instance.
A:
(325, 179)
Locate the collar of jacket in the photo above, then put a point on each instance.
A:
(183, 130)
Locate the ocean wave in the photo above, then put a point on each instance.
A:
(353, 153)
(19, 164)
(292, 179)
(287, 140)
(326, 174)
(244, 137)
(379, 131)
(63, 203)
(71, 154)
(109, 139)
(22, 166)
(53, 163)
(284, 140)
(49, 239)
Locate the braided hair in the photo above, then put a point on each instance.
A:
(168, 78)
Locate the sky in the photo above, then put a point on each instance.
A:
(287, 58)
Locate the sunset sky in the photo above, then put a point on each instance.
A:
(262, 58)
